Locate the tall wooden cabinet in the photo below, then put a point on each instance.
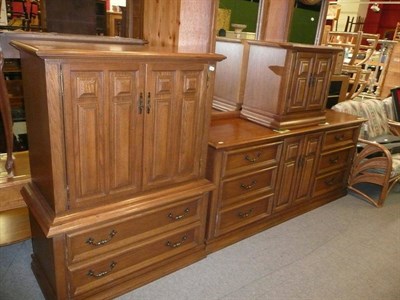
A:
(118, 154)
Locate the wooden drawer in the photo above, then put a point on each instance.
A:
(106, 270)
(335, 181)
(241, 215)
(84, 245)
(251, 157)
(335, 160)
(339, 138)
(236, 188)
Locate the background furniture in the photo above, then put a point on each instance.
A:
(392, 78)
(230, 77)
(108, 212)
(114, 24)
(374, 164)
(6, 119)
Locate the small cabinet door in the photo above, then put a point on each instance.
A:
(307, 167)
(287, 172)
(308, 87)
(320, 79)
(173, 123)
(297, 170)
(103, 130)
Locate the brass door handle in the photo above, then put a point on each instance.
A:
(141, 103)
(148, 104)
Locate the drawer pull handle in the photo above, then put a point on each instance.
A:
(104, 273)
(248, 186)
(334, 160)
(253, 159)
(245, 214)
(91, 241)
(330, 182)
(178, 244)
(178, 217)
(339, 137)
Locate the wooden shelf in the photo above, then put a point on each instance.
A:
(14, 226)
(14, 218)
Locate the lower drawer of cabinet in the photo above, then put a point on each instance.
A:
(330, 182)
(241, 215)
(105, 271)
(333, 160)
(235, 188)
(94, 242)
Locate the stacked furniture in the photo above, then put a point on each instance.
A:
(282, 153)
(118, 142)
(264, 177)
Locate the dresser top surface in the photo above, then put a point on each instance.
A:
(235, 131)
(85, 50)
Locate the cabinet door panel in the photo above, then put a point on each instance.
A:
(320, 79)
(160, 123)
(287, 172)
(300, 82)
(173, 119)
(126, 127)
(85, 120)
(189, 145)
(103, 131)
(308, 163)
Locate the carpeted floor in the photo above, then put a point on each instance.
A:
(346, 249)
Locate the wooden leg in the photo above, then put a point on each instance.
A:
(5, 109)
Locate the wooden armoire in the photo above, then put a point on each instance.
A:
(118, 143)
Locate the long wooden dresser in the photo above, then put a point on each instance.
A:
(265, 177)
(118, 143)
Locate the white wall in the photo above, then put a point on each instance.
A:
(352, 9)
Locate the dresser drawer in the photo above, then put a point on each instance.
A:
(235, 188)
(107, 270)
(339, 138)
(335, 181)
(241, 215)
(251, 157)
(84, 245)
(335, 160)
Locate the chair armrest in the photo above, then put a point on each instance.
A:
(394, 127)
(372, 164)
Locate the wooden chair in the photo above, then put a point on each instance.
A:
(358, 46)
(377, 162)
(358, 24)
(5, 109)
(358, 80)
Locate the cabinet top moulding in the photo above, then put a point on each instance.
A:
(234, 131)
(58, 49)
(297, 46)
